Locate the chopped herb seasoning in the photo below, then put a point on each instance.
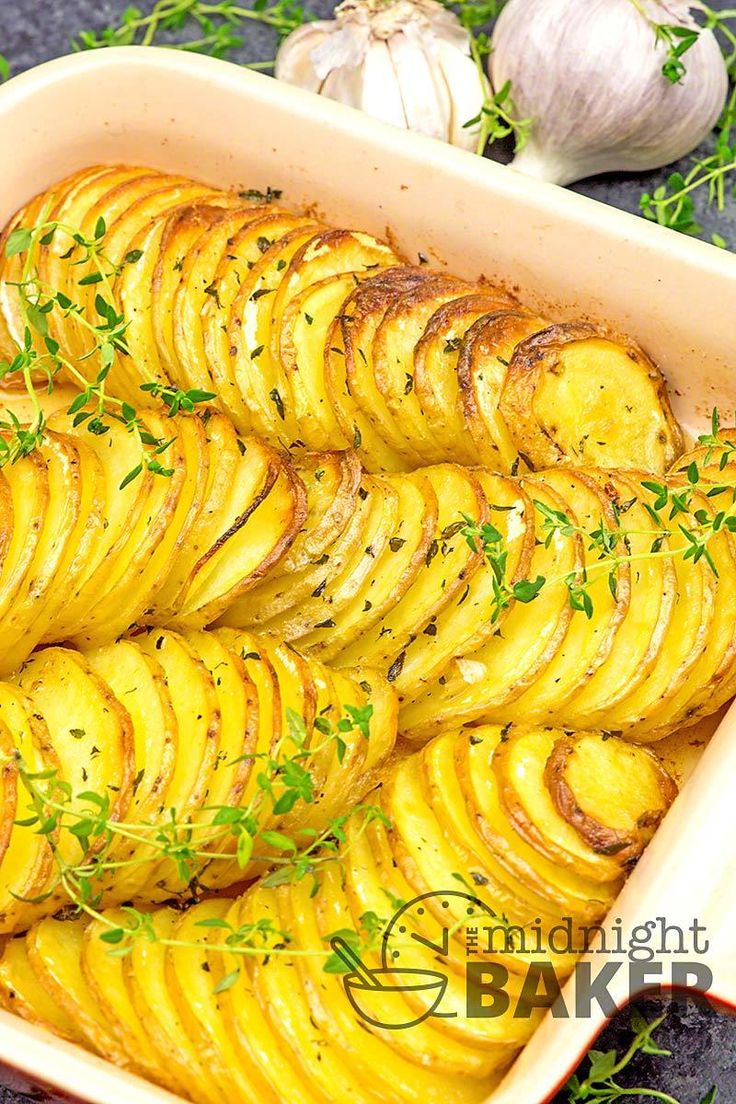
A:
(278, 402)
(396, 667)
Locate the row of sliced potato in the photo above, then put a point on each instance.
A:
(323, 338)
(514, 829)
(84, 558)
(168, 721)
(373, 568)
(397, 586)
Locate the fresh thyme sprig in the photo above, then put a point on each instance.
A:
(41, 358)
(669, 506)
(491, 541)
(601, 1085)
(672, 204)
(497, 117)
(210, 28)
(214, 832)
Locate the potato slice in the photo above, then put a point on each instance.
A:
(486, 681)
(184, 228)
(24, 500)
(466, 622)
(210, 523)
(122, 201)
(240, 476)
(340, 783)
(327, 256)
(308, 321)
(190, 981)
(199, 725)
(259, 524)
(613, 794)
(41, 206)
(258, 1043)
(258, 376)
(395, 567)
(54, 952)
(89, 730)
(118, 452)
(374, 524)
(588, 640)
(22, 992)
(332, 481)
(134, 291)
(238, 708)
(393, 350)
(244, 251)
(485, 353)
(448, 561)
(316, 1059)
(196, 287)
(428, 857)
(361, 409)
(174, 502)
(73, 561)
(91, 741)
(69, 206)
(527, 764)
(24, 506)
(60, 526)
(577, 394)
(374, 880)
(356, 430)
(9, 778)
(146, 980)
(123, 230)
(27, 863)
(638, 641)
(104, 975)
(478, 863)
(436, 382)
(138, 681)
(711, 681)
(398, 1057)
(281, 592)
(576, 895)
(301, 1033)
(260, 671)
(682, 646)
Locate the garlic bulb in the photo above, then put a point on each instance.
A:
(404, 61)
(589, 75)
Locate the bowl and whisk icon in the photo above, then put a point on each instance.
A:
(387, 996)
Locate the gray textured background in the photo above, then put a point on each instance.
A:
(703, 1042)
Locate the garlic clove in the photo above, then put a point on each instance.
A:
(461, 75)
(588, 72)
(295, 65)
(426, 103)
(344, 85)
(381, 96)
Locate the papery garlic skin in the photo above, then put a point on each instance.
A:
(406, 62)
(589, 75)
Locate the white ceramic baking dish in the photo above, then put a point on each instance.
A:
(566, 253)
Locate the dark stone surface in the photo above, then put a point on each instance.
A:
(703, 1042)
